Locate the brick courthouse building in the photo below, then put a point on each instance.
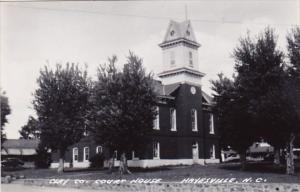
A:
(185, 130)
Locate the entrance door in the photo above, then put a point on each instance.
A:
(195, 150)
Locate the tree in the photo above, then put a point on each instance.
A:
(31, 130)
(5, 110)
(43, 157)
(293, 94)
(61, 102)
(236, 130)
(124, 107)
(259, 100)
(260, 68)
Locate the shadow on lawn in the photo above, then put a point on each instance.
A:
(137, 169)
(259, 167)
(132, 169)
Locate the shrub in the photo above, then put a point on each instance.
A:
(43, 158)
(97, 161)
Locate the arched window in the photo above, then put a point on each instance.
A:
(191, 59)
(75, 154)
(211, 124)
(172, 58)
(173, 119)
(156, 120)
(98, 149)
(194, 120)
(86, 154)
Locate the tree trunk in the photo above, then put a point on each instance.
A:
(111, 164)
(60, 168)
(123, 169)
(290, 167)
(276, 156)
(243, 160)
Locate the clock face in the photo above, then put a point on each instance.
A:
(193, 90)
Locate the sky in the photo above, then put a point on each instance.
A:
(35, 34)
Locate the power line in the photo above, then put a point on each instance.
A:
(223, 21)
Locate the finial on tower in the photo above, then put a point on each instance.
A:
(186, 14)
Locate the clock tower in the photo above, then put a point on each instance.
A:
(180, 55)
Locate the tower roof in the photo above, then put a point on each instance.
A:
(180, 31)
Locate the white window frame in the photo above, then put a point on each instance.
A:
(73, 152)
(116, 154)
(194, 120)
(212, 152)
(133, 157)
(99, 149)
(211, 124)
(156, 120)
(84, 153)
(156, 150)
(173, 119)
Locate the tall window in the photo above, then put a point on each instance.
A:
(156, 150)
(191, 59)
(212, 152)
(211, 124)
(156, 120)
(116, 154)
(133, 155)
(172, 58)
(173, 119)
(98, 149)
(194, 120)
(75, 154)
(86, 154)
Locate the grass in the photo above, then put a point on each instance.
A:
(173, 173)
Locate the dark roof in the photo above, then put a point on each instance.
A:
(21, 143)
(180, 30)
(208, 99)
(167, 90)
(158, 87)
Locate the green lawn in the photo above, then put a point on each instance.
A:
(175, 173)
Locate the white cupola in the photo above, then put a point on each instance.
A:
(180, 55)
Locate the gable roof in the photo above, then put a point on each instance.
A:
(208, 99)
(167, 90)
(21, 144)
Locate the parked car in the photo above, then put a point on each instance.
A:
(296, 153)
(233, 157)
(11, 163)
